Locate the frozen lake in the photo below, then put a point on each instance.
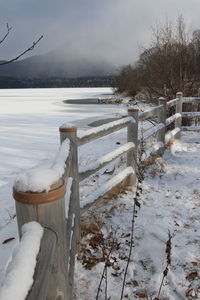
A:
(29, 122)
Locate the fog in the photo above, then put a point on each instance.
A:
(114, 30)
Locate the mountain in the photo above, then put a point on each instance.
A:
(59, 63)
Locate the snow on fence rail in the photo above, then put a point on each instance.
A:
(59, 212)
(14, 285)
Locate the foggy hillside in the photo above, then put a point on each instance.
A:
(62, 63)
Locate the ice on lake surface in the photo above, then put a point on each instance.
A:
(30, 119)
(29, 123)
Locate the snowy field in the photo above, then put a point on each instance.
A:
(169, 201)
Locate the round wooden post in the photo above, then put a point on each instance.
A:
(132, 136)
(162, 119)
(48, 209)
(178, 121)
(73, 220)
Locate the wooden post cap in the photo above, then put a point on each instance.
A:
(67, 128)
(133, 110)
(56, 192)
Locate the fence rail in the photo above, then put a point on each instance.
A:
(43, 267)
(54, 274)
(101, 131)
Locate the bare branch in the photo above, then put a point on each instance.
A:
(23, 53)
(7, 33)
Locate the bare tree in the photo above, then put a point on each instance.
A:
(30, 48)
(171, 63)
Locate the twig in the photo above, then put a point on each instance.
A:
(168, 259)
(105, 272)
(7, 33)
(106, 282)
(152, 121)
(23, 53)
(130, 249)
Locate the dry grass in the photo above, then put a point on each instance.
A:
(94, 246)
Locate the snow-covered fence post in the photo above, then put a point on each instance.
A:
(73, 219)
(132, 136)
(162, 119)
(47, 208)
(178, 122)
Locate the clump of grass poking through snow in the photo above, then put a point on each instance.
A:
(168, 250)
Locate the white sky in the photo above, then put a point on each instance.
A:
(108, 28)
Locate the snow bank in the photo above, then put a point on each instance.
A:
(19, 273)
(40, 179)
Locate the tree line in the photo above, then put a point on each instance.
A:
(170, 64)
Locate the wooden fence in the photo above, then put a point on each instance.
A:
(54, 272)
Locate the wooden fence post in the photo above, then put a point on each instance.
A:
(49, 210)
(73, 220)
(132, 136)
(178, 121)
(162, 119)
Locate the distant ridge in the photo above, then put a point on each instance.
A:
(57, 64)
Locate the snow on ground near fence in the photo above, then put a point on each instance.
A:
(18, 277)
(170, 201)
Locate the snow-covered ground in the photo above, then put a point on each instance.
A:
(170, 201)
(29, 121)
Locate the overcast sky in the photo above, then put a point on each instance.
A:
(110, 28)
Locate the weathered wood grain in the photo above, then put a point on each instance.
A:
(44, 265)
(132, 136)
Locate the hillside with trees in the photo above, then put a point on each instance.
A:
(171, 63)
